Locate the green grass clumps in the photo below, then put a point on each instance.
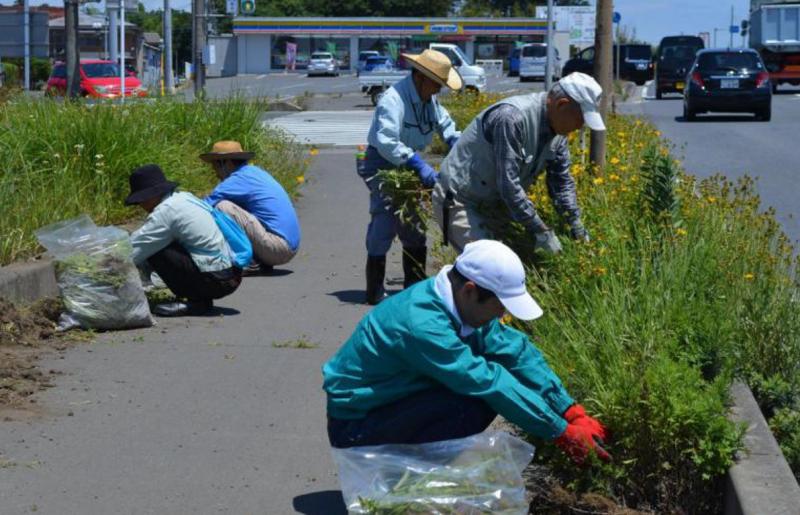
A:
(64, 159)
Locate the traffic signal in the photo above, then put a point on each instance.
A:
(745, 26)
(248, 6)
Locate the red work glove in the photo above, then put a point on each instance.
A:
(578, 442)
(576, 414)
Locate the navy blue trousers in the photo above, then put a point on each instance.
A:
(384, 225)
(428, 416)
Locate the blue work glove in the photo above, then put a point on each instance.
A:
(426, 172)
(578, 231)
(547, 241)
(452, 142)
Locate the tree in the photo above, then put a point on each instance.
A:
(515, 8)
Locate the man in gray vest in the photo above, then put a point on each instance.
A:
(504, 150)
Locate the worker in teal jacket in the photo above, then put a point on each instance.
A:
(435, 363)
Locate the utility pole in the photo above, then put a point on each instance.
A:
(730, 30)
(548, 69)
(122, 73)
(26, 10)
(198, 46)
(112, 8)
(169, 80)
(602, 73)
(72, 51)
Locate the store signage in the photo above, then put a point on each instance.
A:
(443, 29)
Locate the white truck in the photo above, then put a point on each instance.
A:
(775, 34)
(374, 84)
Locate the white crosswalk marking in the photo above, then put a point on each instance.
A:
(340, 128)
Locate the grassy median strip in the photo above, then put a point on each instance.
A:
(64, 159)
(685, 285)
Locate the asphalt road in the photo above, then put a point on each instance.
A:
(296, 84)
(208, 415)
(735, 145)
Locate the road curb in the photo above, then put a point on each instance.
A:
(761, 482)
(27, 282)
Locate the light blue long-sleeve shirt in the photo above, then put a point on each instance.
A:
(179, 218)
(413, 341)
(403, 124)
(258, 193)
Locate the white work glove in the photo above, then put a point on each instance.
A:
(547, 241)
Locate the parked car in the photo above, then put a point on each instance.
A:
(474, 76)
(99, 79)
(533, 62)
(637, 63)
(730, 80)
(380, 63)
(674, 58)
(362, 58)
(513, 62)
(322, 63)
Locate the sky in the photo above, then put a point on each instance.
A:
(652, 19)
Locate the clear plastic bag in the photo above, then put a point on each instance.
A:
(475, 475)
(99, 283)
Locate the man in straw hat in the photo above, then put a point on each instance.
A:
(181, 241)
(502, 153)
(434, 363)
(252, 197)
(404, 122)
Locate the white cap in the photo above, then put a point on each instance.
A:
(495, 267)
(584, 90)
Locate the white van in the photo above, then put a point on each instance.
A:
(474, 76)
(533, 62)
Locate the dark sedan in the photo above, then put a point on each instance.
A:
(732, 81)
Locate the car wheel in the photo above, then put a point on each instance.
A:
(659, 94)
(375, 96)
(774, 87)
(765, 115)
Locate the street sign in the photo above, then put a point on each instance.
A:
(617, 17)
(248, 6)
(231, 7)
(734, 29)
(130, 5)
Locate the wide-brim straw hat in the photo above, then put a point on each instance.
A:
(437, 67)
(223, 150)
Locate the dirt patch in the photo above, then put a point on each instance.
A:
(551, 498)
(26, 334)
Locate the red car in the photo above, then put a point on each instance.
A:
(99, 79)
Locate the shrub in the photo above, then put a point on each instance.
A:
(77, 157)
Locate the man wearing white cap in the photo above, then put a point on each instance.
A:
(405, 120)
(434, 363)
(504, 150)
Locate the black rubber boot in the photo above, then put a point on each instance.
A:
(414, 259)
(376, 272)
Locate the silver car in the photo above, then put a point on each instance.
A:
(323, 63)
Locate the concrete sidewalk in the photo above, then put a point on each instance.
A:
(207, 415)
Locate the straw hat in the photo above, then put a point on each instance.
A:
(437, 67)
(226, 150)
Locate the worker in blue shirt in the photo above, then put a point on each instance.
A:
(257, 202)
(404, 122)
(435, 363)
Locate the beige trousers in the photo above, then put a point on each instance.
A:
(464, 223)
(268, 248)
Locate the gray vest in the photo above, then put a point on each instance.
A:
(469, 170)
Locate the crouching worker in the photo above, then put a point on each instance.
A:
(252, 197)
(434, 363)
(182, 243)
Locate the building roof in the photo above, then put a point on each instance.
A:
(152, 38)
(86, 21)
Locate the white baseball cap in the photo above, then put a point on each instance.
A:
(495, 267)
(584, 90)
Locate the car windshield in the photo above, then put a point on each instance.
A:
(366, 55)
(734, 61)
(534, 51)
(321, 56)
(639, 52)
(377, 60)
(100, 70)
(679, 53)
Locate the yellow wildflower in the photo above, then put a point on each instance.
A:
(507, 319)
(313, 151)
(614, 160)
(681, 231)
(613, 177)
(711, 200)
(599, 271)
(749, 276)
(598, 180)
(300, 179)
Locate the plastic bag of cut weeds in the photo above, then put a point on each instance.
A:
(99, 283)
(474, 475)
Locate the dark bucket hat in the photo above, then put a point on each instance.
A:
(146, 182)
